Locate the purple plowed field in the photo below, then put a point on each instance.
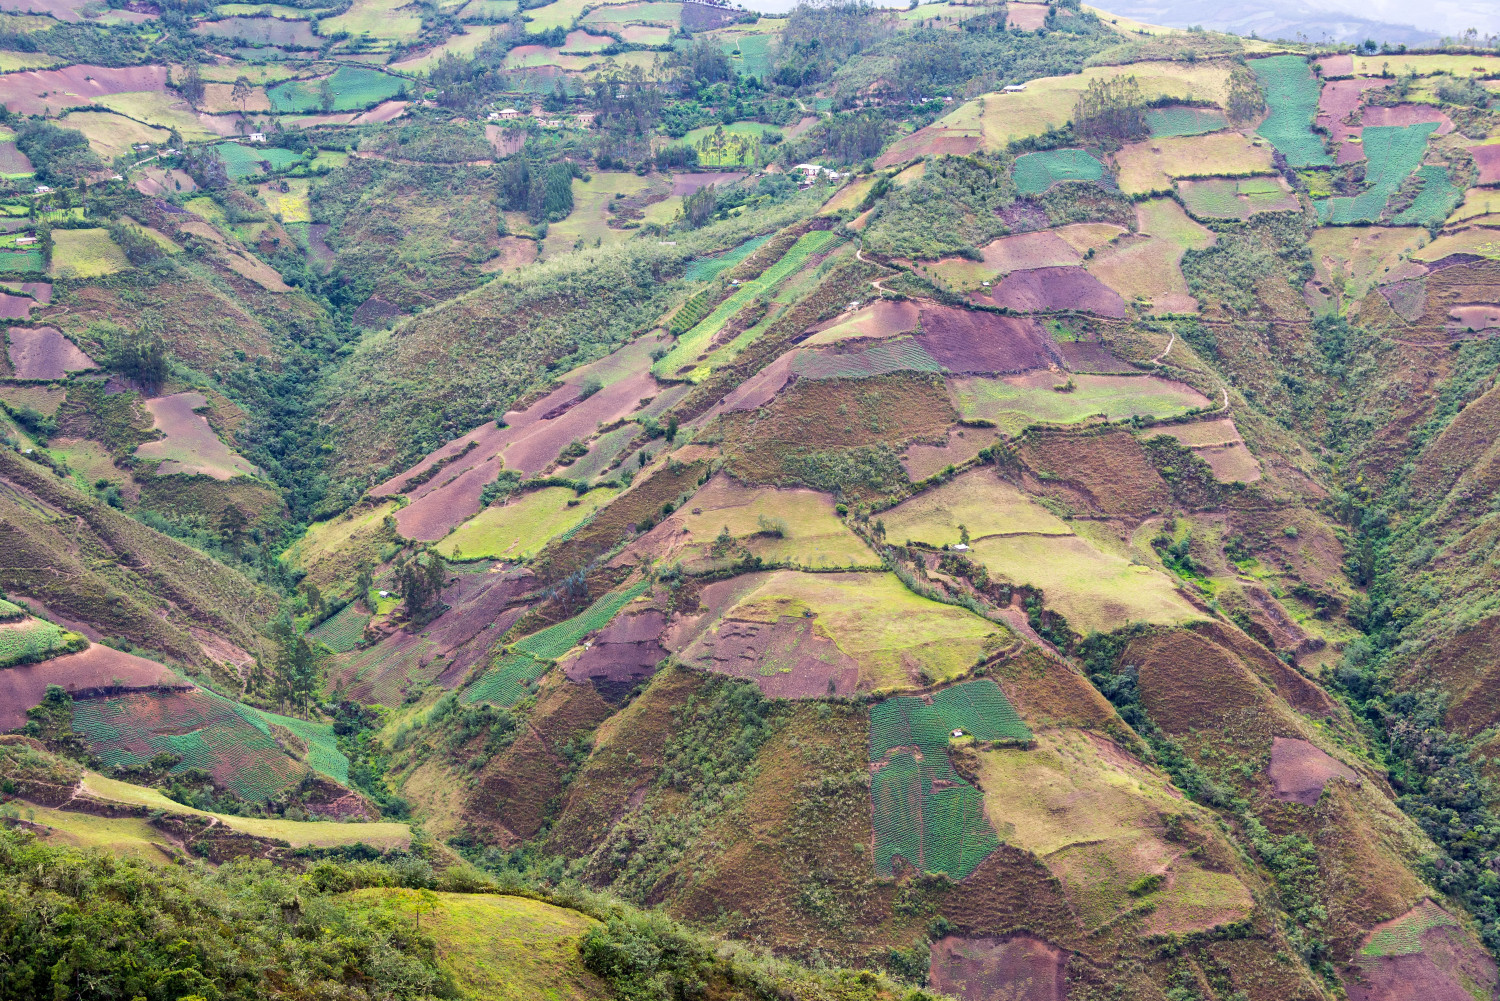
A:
(627, 649)
(15, 307)
(1339, 100)
(786, 659)
(760, 388)
(1409, 114)
(1487, 158)
(98, 667)
(1340, 65)
(1053, 290)
(969, 341)
(530, 443)
(1408, 299)
(445, 651)
(44, 353)
(1423, 955)
(1477, 317)
(74, 86)
(1299, 771)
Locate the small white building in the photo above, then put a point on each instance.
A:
(1015, 88)
(25, 241)
(42, 189)
(508, 114)
(257, 137)
(959, 547)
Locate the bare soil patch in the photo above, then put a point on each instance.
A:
(15, 307)
(1424, 955)
(623, 652)
(1021, 968)
(1052, 290)
(1338, 105)
(514, 252)
(97, 669)
(687, 184)
(1299, 771)
(74, 86)
(1408, 114)
(1026, 16)
(1487, 158)
(921, 461)
(505, 141)
(1093, 358)
(44, 353)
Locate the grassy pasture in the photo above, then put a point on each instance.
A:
(244, 159)
(812, 534)
(86, 253)
(1483, 242)
(1477, 202)
(157, 109)
(1154, 164)
(290, 205)
(130, 836)
(463, 46)
(892, 633)
(496, 947)
(1095, 590)
(1227, 198)
(1092, 818)
(619, 14)
(392, 20)
(1013, 402)
(1357, 258)
(519, 529)
(1292, 96)
(1048, 103)
(11, 61)
(980, 501)
(589, 220)
(487, 10)
(112, 135)
(1454, 64)
(359, 532)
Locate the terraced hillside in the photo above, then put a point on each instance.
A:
(648, 501)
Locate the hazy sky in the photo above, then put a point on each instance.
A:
(1447, 17)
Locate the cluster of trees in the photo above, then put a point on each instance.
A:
(1111, 108)
(58, 156)
(544, 191)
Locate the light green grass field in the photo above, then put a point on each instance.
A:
(394, 20)
(354, 89)
(86, 253)
(1094, 590)
(112, 135)
(29, 640)
(277, 10)
(980, 501)
(893, 633)
(1013, 402)
(462, 46)
(11, 61)
(813, 535)
(130, 836)
(291, 205)
(518, 530)
(161, 110)
(1092, 819)
(1153, 165)
(500, 948)
(589, 220)
(487, 10)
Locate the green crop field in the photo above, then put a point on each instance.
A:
(1437, 199)
(354, 89)
(685, 355)
(704, 269)
(1034, 173)
(519, 529)
(10, 611)
(244, 159)
(342, 631)
(31, 640)
(1227, 198)
(1403, 937)
(938, 829)
(507, 680)
(323, 754)
(86, 253)
(1178, 120)
(1292, 95)
(1094, 590)
(980, 501)
(1393, 152)
(1013, 402)
(24, 261)
(903, 354)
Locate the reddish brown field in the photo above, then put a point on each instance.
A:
(881, 318)
(760, 389)
(934, 140)
(921, 461)
(1487, 158)
(786, 659)
(1341, 99)
(190, 445)
(1408, 299)
(1093, 358)
(1299, 771)
(1476, 317)
(625, 651)
(1408, 114)
(529, 443)
(988, 969)
(1340, 65)
(40, 291)
(969, 341)
(44, 353)
(97, 668)
(74, 86)
(1051, 290)
(686, 184)
(1026, 16)
(15, 307)
(386, 111)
